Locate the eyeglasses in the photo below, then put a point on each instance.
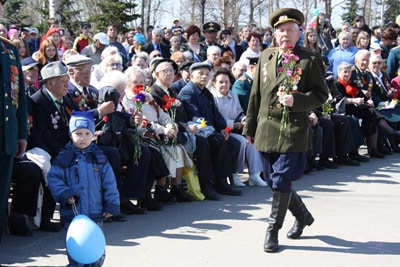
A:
(115, 65)
(377, 62)
(167, 71)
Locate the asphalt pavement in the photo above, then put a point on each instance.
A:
(356, 211)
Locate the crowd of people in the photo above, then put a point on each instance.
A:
(174, 100)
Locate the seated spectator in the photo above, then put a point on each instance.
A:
(242, 86)
(175, 156)
(199, 103)
(98, 71)
(185, 76)
(228, 104)
(238, 69)
(200, 151)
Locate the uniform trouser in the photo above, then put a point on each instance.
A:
(6, 166)
(281, 169)
(27, 176)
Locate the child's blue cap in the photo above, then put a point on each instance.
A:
(81, 120)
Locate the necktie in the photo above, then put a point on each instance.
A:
(63, 114)
(85, 93)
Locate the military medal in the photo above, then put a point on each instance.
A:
(279, 105)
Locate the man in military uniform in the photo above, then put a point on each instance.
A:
(283, 147)
(242, 86)
(13, 118)
(210, 32)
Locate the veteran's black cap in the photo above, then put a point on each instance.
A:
(211, 27)
(158, 60)
(253, 60)
(284, 15)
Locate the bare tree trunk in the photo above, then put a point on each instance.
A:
(251, 13)
(367, 12)
(54, 5)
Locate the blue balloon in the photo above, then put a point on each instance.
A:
(85, 240)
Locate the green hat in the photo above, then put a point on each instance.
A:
(284, 15)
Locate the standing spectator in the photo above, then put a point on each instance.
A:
(359, 22)
(227, 41)
(197, 50)
(311, 40)
(13, 121)
(363, 40)
(175, 43)
(285, 158)
(324, 30)
(94, 50)
(345, 52)
(376, 34)
(156, 44)
(66, 44)
(138, 41)
(393, 62)
(84, 38)
(112, 34)
(74, 183)
(22, 46)
(389, 41)
(254, 49)
(34, 41)
(47, 53)
(243, 35)
(128, 41)
(267, 37)
(167, 37)
(354, 33)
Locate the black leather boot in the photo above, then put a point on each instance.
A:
(303, 216)
(279, 207)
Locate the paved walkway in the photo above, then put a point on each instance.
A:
(356, 210)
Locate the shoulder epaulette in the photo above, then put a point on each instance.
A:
(6, 40)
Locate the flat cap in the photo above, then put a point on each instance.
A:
(211, 27)
(284, 15)
(199, 65)
(186, 65)
(76, 60)
(53, 70)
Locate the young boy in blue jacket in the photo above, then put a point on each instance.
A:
(82, 176)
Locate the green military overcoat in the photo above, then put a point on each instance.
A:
(263, 117)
